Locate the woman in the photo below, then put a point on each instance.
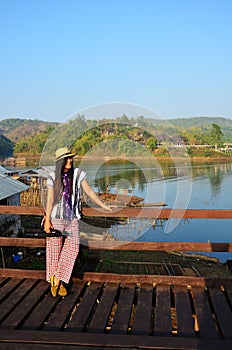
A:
(62, 214)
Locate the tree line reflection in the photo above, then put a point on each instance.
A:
(112, 172)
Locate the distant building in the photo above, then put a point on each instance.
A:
(37, 180)
(10, 190)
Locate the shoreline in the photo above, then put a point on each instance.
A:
(31, 161)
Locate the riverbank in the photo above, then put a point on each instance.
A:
(32, 161)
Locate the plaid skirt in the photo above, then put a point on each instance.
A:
(61, 252)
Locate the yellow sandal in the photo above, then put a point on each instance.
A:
(54, 288)
(62, 291)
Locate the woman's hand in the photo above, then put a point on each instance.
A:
(47, 225)
(106, 207)
(89, 191)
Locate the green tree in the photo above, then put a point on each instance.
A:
(33, 144)
(151, 143)
(216, 135)
(124, 119)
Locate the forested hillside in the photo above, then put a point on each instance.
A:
(30, 136)
(16, 129)
(6, 147)
(205, 124)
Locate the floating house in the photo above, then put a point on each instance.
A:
(10, 190)
(36, 179)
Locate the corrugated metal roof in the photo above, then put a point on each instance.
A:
(2, 170)
(39, 171)
(10, 186)
(45, 170)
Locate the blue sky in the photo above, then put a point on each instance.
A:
(60, 57)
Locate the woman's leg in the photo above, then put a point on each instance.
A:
(69, 252)
(53, 249)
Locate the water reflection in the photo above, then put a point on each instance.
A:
(214, 172)
(211, 189)
(211, 183)
(113, 170)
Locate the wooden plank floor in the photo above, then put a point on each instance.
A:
(106, 315)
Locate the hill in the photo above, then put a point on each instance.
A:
(29, 136)
(6, 147)
(205, 124)
(15, 128)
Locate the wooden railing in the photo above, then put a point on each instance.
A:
(158, 213)
(155, 213)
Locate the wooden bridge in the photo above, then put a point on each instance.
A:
(115, 311)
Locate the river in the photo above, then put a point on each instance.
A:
(199, 186)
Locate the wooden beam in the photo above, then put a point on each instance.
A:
(161, 213)
(125, 245)
(156, 279)
(15, 339)
(146, 279)
(21, 210)
(22, 242)
(125, 278)
(20, 273)
(166, 246)
(153, 213)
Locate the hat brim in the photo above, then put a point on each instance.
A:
(67, 155)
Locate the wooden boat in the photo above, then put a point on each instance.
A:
(119, 199)
(126, 200)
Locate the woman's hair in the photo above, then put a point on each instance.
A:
(58, 183)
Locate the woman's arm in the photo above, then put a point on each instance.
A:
(47, 218)
(88, 190)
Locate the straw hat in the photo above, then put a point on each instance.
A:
(63, 152)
